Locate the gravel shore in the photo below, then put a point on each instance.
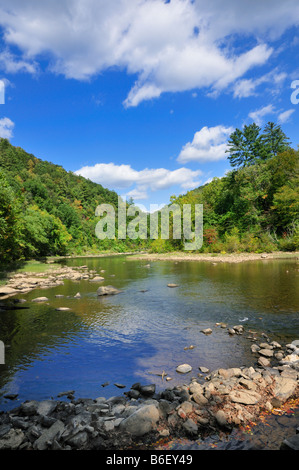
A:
(216, 257)
(210, 402)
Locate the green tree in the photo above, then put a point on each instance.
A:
(244, 147)
(9, 222)
(248, 146)
(274, 141)
(43, 234)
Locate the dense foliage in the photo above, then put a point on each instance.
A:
(45, 210)
(256, 206)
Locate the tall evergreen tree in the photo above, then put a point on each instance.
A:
(274, 140)
(244, 146)
(248, 146)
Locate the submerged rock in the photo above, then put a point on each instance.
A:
(292, 443)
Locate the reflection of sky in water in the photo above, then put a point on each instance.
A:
(128, 337)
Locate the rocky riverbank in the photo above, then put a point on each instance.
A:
(22, 283)
(210, 402)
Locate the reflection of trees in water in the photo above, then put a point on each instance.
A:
(34, 332)
(206, 292)
(28, 334)
(269, 284)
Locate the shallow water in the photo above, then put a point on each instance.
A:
(143, 330)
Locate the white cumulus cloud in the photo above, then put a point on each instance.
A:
(124, 177)
(208, 145)
(169, 46)
(6, 128)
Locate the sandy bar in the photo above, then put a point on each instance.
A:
(216, 257)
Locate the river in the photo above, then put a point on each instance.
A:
(145, 329)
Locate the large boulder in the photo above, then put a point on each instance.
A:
(246, 397)
(284, 388)
(12, 440)
(141, 421)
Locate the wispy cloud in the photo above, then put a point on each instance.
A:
(12, 64)
(244, 87)
(258, 115)
(285, 116)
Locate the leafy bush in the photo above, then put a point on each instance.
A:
(290, 241)
(232, 241)
(160, 246)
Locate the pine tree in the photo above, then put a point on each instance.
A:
(244, 146)
(274, 140)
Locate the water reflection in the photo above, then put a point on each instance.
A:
(144, 329)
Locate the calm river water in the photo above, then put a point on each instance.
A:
(142, 331)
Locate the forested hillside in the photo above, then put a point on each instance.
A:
(45, 210)
(255, 207)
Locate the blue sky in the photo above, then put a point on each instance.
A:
(142, 95)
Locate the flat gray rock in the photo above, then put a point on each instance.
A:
(284, 387)
(266, 352)
(49, 434)
(248, 397)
